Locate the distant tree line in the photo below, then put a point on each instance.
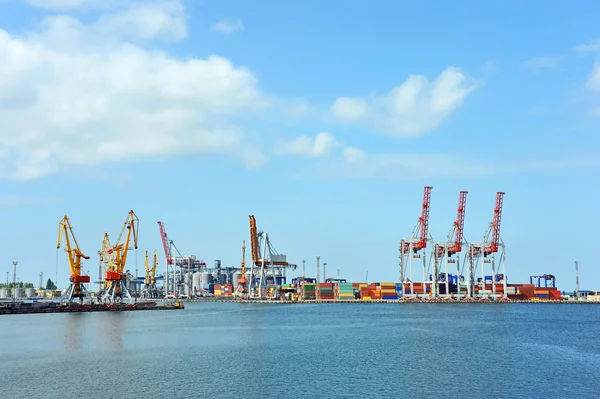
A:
(18, 285)
(49, 285)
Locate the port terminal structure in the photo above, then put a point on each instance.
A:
(444, 284)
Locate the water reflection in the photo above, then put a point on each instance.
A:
(72, 336)
(111, 330)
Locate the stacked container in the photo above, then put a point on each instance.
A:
(526, 291)
(345, 291)
(420, 289)
(374, 292)
(547, 293)
(309, 291)
(218, 291)
(364, 291)
(388, 291)
(326, 291)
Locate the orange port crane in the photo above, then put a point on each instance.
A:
(492, 243)
(410, 247)
(77, 288)
(448, 249)
(116, 277)
(263, 259)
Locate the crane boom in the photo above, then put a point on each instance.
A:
(165, 242)
(459, 224)
(74, 253)
(147, 269)
(153, 270)
(493, 245)
(254, 240)
(424, 219)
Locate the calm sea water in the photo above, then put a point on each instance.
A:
(227, 350)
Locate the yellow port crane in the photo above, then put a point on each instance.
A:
(264, 259)
(77, 288)
(116, 277)
(150, 290)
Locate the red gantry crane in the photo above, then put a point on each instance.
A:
(492, 243)
(77, 288)
(175, 282)
(410, 247)
(447, 250)
(168, 289)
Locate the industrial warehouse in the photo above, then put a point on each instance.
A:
(429, 271)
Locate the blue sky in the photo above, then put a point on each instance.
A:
(324, 120)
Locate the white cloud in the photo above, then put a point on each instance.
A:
(591, 47)
(60, 4)
(423, 166)
(147, 21)
(593, 81)
(414, 108)
(22, 200)
(401, 166)
(227, 26)
(305, 146)
(352, 154)
(543, 62)
(348, 109)
(70, 94)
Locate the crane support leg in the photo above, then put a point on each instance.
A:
(76, 292)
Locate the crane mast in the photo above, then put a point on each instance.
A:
(448, 249)
(76, 289)
(241, 288)
(117, 277)
(410, 247)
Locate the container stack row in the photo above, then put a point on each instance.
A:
(223, 290)
(388, 291)
(374, 292)
(326, 291)
(309, 291)
(531, 292)
(345, 291)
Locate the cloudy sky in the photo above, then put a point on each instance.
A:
(325, 121)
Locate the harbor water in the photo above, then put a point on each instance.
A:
(234, 350)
